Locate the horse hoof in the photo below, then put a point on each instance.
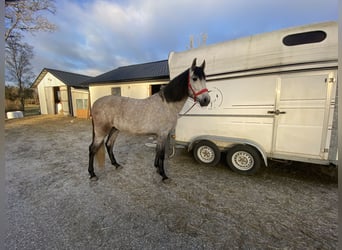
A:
(118, 166)
(94, 178)
(167, 180)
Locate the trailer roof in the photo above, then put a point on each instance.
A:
(299, 45)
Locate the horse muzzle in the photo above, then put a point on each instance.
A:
(204, 99)
(201, 96)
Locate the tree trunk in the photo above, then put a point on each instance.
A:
(22, 98)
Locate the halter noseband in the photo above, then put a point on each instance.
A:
(195, 94)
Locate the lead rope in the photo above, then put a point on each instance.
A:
(172, 139)
(189, 87)
(173, 147)
(193, 105)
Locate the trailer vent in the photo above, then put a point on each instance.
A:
(304, 38)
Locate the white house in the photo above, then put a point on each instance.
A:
(62, 92)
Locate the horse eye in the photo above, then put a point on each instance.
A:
(194, 79)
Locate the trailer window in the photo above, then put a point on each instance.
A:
(304, 38)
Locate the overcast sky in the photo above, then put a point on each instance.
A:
(95, 36)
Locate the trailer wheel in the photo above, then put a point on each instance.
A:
(207, 153)
(244, 159)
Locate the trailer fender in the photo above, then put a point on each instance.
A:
(232, 140)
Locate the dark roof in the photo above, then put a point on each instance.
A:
(68, 78)
(144, 71)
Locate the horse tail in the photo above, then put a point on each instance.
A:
(100, 156)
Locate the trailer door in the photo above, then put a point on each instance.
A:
(302, 114)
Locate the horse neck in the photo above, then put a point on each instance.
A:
(177, 106)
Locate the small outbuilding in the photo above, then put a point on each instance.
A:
(136, 81)
(63, 92)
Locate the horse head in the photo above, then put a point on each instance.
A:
(197, 84)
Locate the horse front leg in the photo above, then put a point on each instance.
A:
(160, 156)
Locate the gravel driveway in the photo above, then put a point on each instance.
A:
(53, 205)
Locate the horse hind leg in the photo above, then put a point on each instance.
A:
(160, 157)
(96, 148)
(93, 149)
(113, 134)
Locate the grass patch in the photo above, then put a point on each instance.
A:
(32, 109)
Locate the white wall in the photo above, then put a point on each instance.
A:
(138, 90)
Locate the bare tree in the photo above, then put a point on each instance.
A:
(23, 16)
(18, 65)
(26, 15)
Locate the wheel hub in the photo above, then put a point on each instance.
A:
(242, 160)
(206, 154)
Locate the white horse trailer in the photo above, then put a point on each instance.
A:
(273, 96)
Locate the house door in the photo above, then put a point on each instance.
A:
(64, 99)
(50, 100)
(302, 113)
(82, 110)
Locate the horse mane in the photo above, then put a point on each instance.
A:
(177, 89)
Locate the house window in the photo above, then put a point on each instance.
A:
(82, 103)
(304, 38)
(116, 91)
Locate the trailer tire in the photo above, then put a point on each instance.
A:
(207, 153)
(244, 159)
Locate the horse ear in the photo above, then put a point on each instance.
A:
(203, 65)
(193, 66)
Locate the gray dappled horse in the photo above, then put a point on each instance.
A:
(156, 115)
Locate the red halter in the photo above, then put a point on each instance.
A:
(195, 94)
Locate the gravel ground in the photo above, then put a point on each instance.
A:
(53, 205)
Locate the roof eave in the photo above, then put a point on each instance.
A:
(41, 75)
(130, 80)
